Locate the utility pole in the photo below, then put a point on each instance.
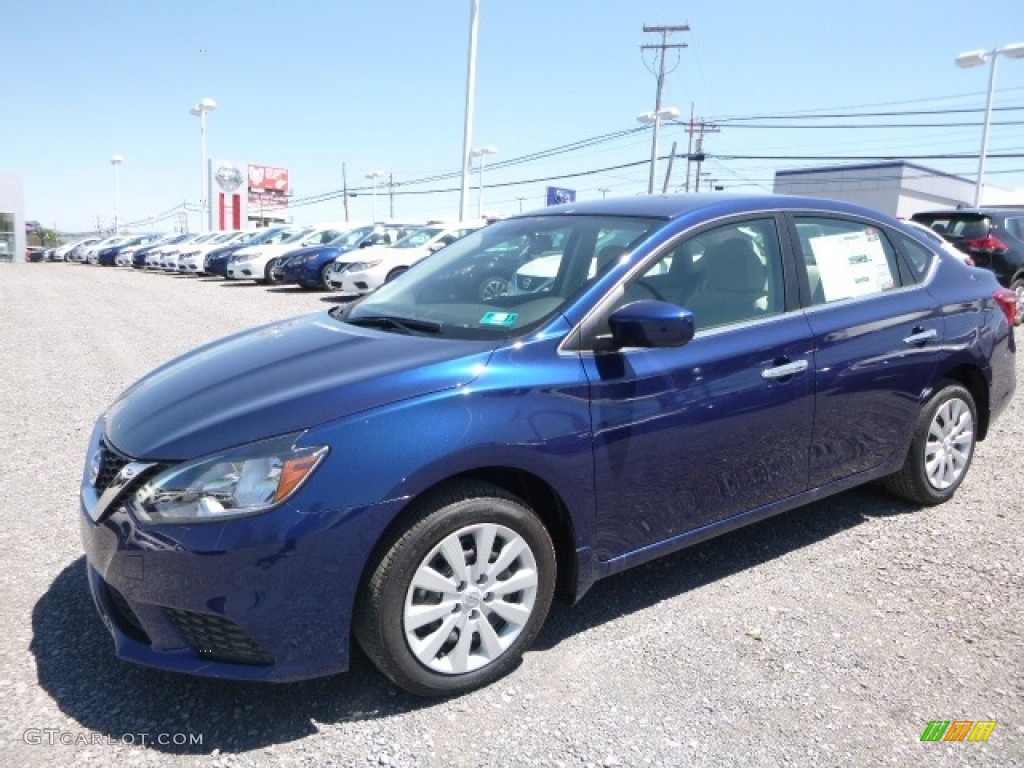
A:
(699, 156)
(391, 196)
(344, 189)
(663, 46)
(668, 171)
(520, 199)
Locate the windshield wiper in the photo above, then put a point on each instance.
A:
(403, 324)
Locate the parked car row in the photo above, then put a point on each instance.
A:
(343, 257)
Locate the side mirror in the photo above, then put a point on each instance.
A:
(650, 324)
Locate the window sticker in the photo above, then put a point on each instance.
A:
(504, 319)
(851, 264)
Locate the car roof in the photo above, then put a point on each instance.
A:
(678, 206)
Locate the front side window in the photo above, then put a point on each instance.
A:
(845, 259)
(723, 275)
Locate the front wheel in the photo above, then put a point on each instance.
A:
(941, 451)
(459, 593)
(395, 273)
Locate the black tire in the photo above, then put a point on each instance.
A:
(1017, 286)
(491, 286)
(325, 275)
(942, 448)
(268, 272)
(478, 630)
(395, 273)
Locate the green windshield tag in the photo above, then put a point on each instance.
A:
(507, 319)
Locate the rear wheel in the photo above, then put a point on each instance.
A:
(325, 277)
(459, 593)
(941, 451)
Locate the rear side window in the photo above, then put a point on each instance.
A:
(845, 259)
(917, 257)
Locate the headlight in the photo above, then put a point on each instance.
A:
(241, 481)
(360, 266)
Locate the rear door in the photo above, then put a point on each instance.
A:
(878, 335)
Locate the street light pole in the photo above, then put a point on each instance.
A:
(467, 133)
(669, 113)
(373, 176)
(205, 211)
(116, 161)
(490, 149)
(976, 59)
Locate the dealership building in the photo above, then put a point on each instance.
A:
(12, 218)
(896, 187)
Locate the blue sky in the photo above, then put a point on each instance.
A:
(380, 84)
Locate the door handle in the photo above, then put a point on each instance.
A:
(785, 370)
(920, 336)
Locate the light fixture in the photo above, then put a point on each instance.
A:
(976, 59)
(668, 113)
(374, 175)
(200, 110)
(490, 149)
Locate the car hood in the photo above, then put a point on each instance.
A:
(386, 252)
(320, 250)
(274, 249)
(281, 378)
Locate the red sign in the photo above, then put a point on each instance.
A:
(265, 177)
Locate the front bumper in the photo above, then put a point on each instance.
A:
(267, 597)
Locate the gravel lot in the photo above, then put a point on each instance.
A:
(829, 636)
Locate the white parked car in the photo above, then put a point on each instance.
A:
(91, 254)
(169, 257)
(155, 255)
(64, 252)
(256, 262)
(370, 268)
(191, 259)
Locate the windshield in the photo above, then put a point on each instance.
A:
(419, 238)
(296, 235)
(348, 239)
(468, 290)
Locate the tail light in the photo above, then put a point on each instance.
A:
(990, 244)
(1007, 301)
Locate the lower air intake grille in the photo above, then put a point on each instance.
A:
(123, 614)
(217, 638)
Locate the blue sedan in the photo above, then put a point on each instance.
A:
(423, 474)
(310, 267)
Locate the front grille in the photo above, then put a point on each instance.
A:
(124, 616)
(110, 463)
(217, 638)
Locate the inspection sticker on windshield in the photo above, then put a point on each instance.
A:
(507, 319)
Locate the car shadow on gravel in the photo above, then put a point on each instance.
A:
(718, 558)
(76, 665)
